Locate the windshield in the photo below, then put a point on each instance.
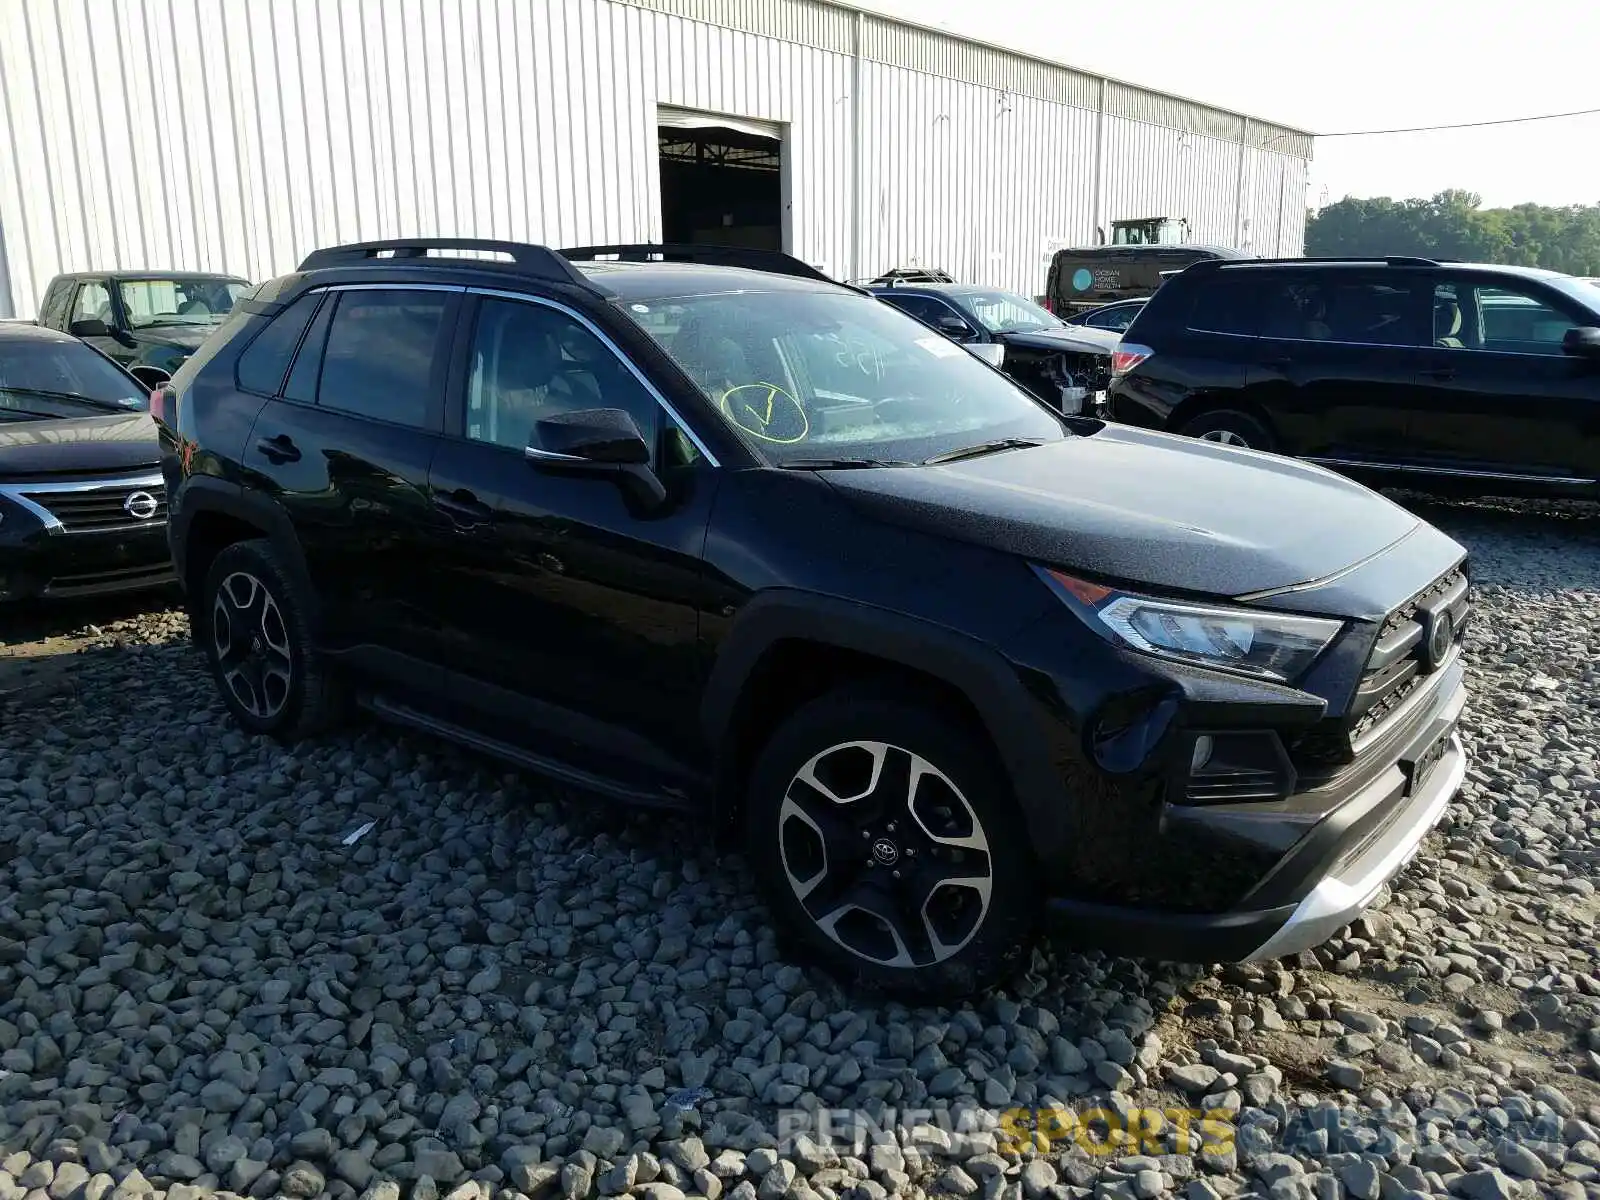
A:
(197, 301)
(1580, 289)
(49, 378)
(1007, 312)
(828, 375)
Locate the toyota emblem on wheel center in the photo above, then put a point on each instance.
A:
(141, 506)
(886, 852)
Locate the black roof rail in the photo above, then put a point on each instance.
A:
(774, 262)
(539, 261)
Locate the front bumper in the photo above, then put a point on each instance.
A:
(1334, 869)
(1341, 897)
(46, 557)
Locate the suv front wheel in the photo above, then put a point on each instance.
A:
(256, 640)
(888, 843)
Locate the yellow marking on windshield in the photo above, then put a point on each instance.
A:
(759, 408)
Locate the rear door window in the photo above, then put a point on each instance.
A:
(381, 353)
(1388, 308)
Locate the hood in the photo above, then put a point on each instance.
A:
(1079, 339)
(1144, 508)
(114, 442)
(179, 337)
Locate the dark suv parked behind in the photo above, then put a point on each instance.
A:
(1398, 371)
(753, 545)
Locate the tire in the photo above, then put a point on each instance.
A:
(255, 635)
(1231, 428)
(970, 936)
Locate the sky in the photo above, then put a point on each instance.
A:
(1347, 65)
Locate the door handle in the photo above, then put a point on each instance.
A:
(279, 449)
(462, 507)
(1441, 373)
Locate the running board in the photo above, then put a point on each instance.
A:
(390, 710)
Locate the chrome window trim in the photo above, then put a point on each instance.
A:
(387, 287)
(52, 523)
(1258, 337)
(616, 351)
(538, 455)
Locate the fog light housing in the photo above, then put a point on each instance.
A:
(1238, 768)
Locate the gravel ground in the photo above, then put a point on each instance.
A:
(498, 990)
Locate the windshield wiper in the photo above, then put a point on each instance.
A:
(841, 464)
(982, 448)
(72, 396)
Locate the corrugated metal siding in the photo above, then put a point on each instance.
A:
(827, 23)
(306, 122)
(971, 181)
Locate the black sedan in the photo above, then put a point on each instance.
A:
(1066, 366)
(82, 506)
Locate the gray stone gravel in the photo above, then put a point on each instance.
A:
(502, 991)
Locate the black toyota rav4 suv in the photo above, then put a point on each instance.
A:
(746, 542)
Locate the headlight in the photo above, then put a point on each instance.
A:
(1267, 645)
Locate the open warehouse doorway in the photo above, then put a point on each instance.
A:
(722, 181)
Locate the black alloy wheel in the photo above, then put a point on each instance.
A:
(894, 854)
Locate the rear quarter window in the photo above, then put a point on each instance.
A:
(265, 360)
(1225, 302)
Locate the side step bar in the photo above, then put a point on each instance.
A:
(390, 710)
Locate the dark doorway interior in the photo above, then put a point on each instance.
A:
(721, 187)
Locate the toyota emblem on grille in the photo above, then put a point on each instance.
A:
(1441, 638)
(141, 506)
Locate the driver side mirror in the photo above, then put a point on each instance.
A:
(89, 327)
(1582, 342)
(992, 353)
(954, 328)
(151, 377)
(597, 441)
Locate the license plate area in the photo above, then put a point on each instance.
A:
(1427, 762)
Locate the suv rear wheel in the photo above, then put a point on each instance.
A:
(888, 843)
(1231, 428)
(256, 641)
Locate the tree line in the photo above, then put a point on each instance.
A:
(1454, 224)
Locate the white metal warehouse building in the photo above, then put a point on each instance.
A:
(237, 135)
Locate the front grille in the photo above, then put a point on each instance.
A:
(98, 505)
(1399, 662)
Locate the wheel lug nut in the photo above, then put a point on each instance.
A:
(912, 853)
(891, 826)
(897, 874)
(866, 833)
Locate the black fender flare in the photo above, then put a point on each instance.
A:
(1008, 713)
(208, 494)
